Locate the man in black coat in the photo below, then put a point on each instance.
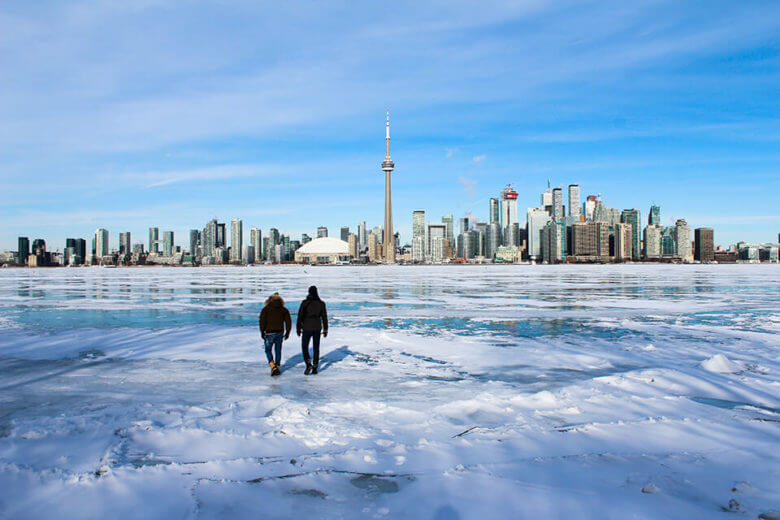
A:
(312, 320)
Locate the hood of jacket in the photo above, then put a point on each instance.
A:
(274, 301)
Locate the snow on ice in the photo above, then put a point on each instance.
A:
(444, 392)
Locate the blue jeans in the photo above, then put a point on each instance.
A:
(305, 337)
(271, 341)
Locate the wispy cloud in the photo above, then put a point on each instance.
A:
(479, 158)
(469, 186)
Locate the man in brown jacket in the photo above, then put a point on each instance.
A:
(275, 323)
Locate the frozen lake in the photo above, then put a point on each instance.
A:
(445, 392)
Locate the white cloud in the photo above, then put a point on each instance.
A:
(469, 186)
(479, 158)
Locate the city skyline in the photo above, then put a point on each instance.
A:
(278, 127)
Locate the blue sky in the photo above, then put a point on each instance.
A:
(125, 115)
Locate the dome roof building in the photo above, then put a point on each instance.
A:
(325, 250)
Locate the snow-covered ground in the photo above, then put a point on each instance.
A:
(445, 392)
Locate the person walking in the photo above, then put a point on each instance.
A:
(275, 324)
(312, 321)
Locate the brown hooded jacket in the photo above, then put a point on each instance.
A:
(274, 317)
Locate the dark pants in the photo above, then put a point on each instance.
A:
(274, 340)
(305, 337)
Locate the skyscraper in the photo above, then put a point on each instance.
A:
(419, 249)
(632, 217)
(362, 235)
(574, 201)
(124, 243)
(387, 167)
(590, 207)
(547, 199)
(654, 218)
(448, 221)
(345, 233)
(24, 251)
(624, 242)
(101, 242)
(508, 214)
(322, 232)
(537, 219)
(553, 241)
(682, 238)
(236, 239)
(167, 242)
(437, 234)
(256, 241)
(652, 241)
(494, 211)
(154, 237)
(209, 238)
(704, 245)
(353, 245)
(557, 204)
(194, 243)
(492, 240)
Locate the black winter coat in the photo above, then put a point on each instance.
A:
(312, 316)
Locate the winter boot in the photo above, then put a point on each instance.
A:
(314, 368)
(276, 371)
(272, 365)
(308, 369)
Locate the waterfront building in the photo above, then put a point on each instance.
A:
(704, 245)
(633, 218)
(323, 251)
(668, 246)
(537, 218)
(124, 243)
(557, 204)
(547, 200)
(305, 239)
(256, 241)
(167, 242)
(221, 236)
(448, 221)
(362, 236)
(437, 234)
(553, 241)
(654, 217)
(652, 241)
(248, 254)
(624, 242)
(492, 239)
(682, 238)
(507, 255)
(352, 241)
(372, 247)
(101, 242)
(387, 167)
(574, 201)
(209, 239)
(236, 239)
(590, 239)
(154, 240)
(344, 235)
(419, 249)
(24, 250)
(195, 243)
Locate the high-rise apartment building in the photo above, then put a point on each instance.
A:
(167, 243)
(352, 242)
(682, 238)
(154, 240)
(574, 201)
(322, 232)
(547, 200)
(590, 207)
(437, 234)
(362, 236)
(632, 217)
(256, 241)
(24, 251)
(494, 211)
(557, 204)
(654, 217)
(101, 242)
(624, 242)
(704, 245)
(372, 247)
(448, 221)
(419, 249)
(652, 241)
(590, 239)
(345, 233)
(221, 235)
(209, 239)
(236, 239)
(195, 243)
(492, 239)
(668, 241)
(553, 242)
(124, 243)
(537, 218)
(508, 214)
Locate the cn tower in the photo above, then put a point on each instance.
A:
(387, 166)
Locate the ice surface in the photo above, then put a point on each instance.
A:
(444, 392)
